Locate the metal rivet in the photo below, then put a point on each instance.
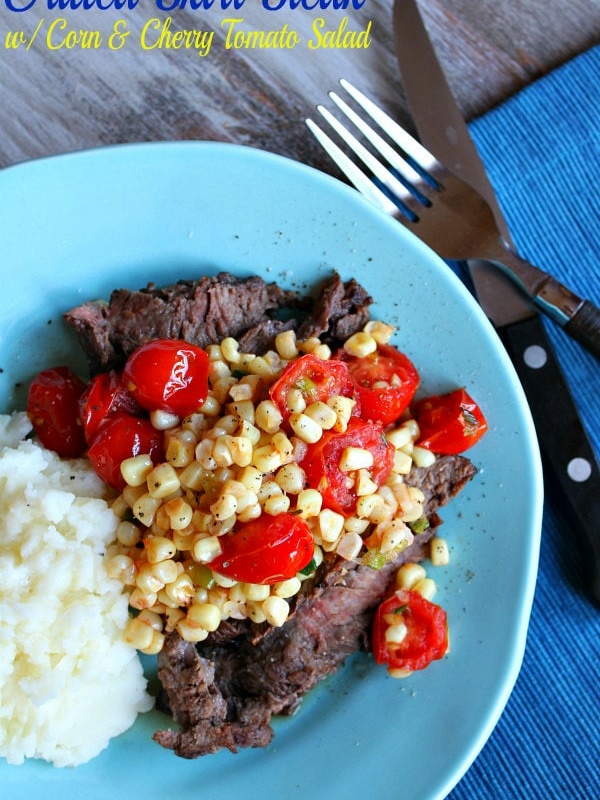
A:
(579, 469)
(535, 356)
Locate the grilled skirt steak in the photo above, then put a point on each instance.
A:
(206, 311)
(223, 692)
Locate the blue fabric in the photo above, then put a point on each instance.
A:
(542, 152)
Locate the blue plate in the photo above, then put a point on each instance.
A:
(76, 226)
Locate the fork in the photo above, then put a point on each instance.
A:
(448, 214)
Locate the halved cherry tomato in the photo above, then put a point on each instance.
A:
(105, 394)
(169, 375)
(265, 550)
(315, 378)
(123, 436)
(426, 639)
(322, 462)
(385, 383)
(53, 408)
(449, 423)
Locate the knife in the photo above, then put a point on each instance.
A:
(566, 446)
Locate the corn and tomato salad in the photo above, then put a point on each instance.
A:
(235, 475)
(237, 464)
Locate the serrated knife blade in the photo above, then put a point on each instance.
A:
(562, 437)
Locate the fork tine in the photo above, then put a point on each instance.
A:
(391, 156)
(361, 181)
(403, 139)
(379, 170)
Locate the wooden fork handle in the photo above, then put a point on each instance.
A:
(584, 327)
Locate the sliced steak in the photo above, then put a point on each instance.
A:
(202, 312)
(340, 310)
(206, 311)
(223, 692)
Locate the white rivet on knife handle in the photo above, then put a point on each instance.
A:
(535, 356)
(579, 469)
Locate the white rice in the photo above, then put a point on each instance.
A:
(68, 681)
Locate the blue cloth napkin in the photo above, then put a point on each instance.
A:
(542, 152)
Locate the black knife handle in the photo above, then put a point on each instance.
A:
(584, 327)
(562, 437)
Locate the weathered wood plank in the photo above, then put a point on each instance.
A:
(55, 101)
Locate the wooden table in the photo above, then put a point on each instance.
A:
(57, 98)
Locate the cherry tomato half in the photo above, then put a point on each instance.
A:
(322, 462)
(105, 394)
(123, 436)
(426, 639)
(385, 383)
(449, 423)
(315, 378)
(53, 408)
(169, 375)
(265, 550)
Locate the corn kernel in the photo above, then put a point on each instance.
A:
(190, 634)
(156, 644)
(163, 420)
(230, 349)
(224, 507)
(203, 615)
(287, 588)
(206, 548)
(322, 414)
(128, 534)
(140, 599)
(121, 568)
(349, 546)
(360, 344)
(181, 448)
(285, 343)
(145, 508)
(181, 590)
(179, 512)
(309, 503)
(276, 610)
(295, 401)
(306, 428)
(192, 476)
(426, 587)
(159, 548)
(409, 574)
(423, 457)
(440, 555)
(291, 478)
(251, 478)
(138, 634)
(211, 406)
(343, 407)
(266, 459)
(402, 463)
(330, 525)
(308, 345)
(396, 633)
(268, 417)
(162, 481)
(354, 458)
(284, 447)
(380, 331)
(276, 504)
(255, 592)
(135, 470)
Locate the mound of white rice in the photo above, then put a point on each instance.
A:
(68, 681)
